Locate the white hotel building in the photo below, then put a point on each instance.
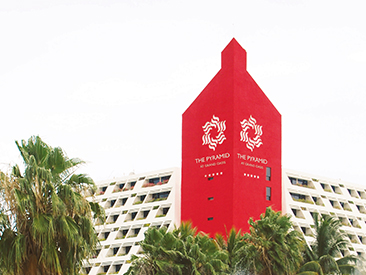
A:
(138, 201)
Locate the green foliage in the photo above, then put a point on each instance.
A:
(45, 221)
(272, 246)
(183, 251)
(326, 250)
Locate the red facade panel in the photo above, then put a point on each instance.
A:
(231, 134)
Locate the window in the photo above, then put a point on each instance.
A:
(115, 250)
(268, 173)
(210, 218)
(145, 213)
(292, 180)
(127, 249)
(210, 198)
(162, 195)
(268, 193)
(118, 267)
(302, 182)
(210, 178)
(165, 210)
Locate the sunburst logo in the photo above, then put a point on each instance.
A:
(213, 132)
(251, 142)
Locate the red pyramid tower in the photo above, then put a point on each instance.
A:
(231, 150)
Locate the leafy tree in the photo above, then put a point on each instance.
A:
(45, 221)
(183, 251)
(232, 244)
(324, 256)
(272, 246)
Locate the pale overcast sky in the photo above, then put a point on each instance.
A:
(108, 80)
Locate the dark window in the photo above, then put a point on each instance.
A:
(333, 187)
(106, 234)
(268, 193)
(87, 270)
(210, 218)
(115, 217)
(118, 267)
(136, 230)
(323, 185)
(154, 180)
(165, 179)
(268, 173)
(133, 215)
(165, 210)
(302, 182)
(124, 232)
(113, 202)
(292, 180)
(104, 188)
(145, 213)
(210, 178)
(133, 183)
(115, 250)
(360, 237)
(303, 229)
(332, 202)
(294, 211)
(121, 185)
(315, 199)
(359, 193)
(124, 201)
(350, 191)
(106, 267)
(161, 195)
(127, 249)
(296, 196)
(210, 198)
(142, 197)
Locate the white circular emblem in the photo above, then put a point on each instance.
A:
(251, 142)
(220, 127)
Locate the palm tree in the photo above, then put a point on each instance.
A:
(45, 221)
(272, 246)
(183, 251)
(159, 255)
(232, 244)
(325, 251)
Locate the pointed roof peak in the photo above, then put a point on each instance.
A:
(234, 56)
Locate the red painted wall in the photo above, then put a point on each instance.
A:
(231, 133)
